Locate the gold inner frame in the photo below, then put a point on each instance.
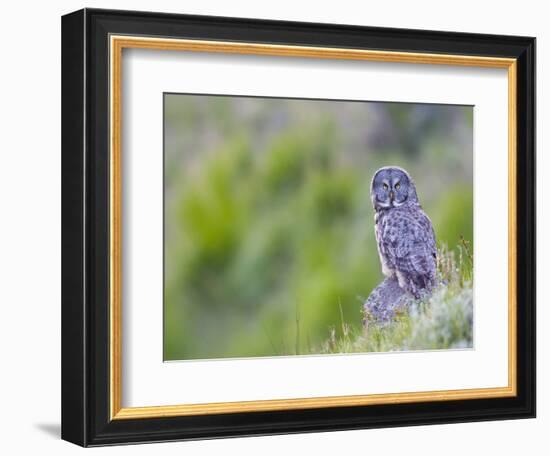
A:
(117, 44)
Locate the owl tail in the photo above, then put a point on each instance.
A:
(386, 301)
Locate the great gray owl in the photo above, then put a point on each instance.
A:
(404, 233)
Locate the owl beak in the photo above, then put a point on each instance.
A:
(392, 196)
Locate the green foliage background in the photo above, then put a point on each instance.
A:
(269, 240)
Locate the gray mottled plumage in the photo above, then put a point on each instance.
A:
(404, 234)
(385, 302)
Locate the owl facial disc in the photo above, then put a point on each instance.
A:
(392, 187)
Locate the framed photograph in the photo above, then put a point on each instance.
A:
(279, 227)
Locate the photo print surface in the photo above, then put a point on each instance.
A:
(315, 227)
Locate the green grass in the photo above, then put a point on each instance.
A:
(444, 321)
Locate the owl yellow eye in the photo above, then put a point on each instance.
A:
(397, 186)
(385, 186)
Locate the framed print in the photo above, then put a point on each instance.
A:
(278, 227)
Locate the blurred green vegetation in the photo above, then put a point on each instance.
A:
(269, 239)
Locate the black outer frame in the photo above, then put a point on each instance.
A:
(85, 227)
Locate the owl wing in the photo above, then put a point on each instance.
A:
(409, 242)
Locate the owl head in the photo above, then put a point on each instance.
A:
(392, 187)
